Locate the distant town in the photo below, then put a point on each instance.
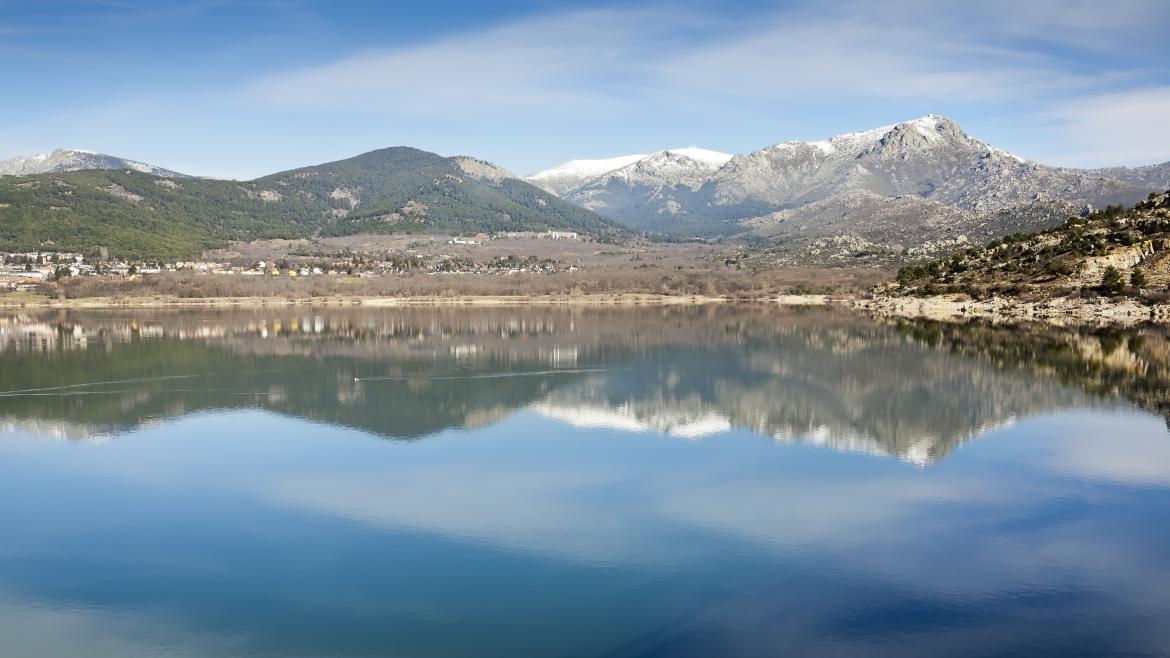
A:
(29, 270)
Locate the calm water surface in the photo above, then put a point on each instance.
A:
(713, 482)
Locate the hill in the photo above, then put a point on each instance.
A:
(404, 189)
(1111, 252)
(395, 190)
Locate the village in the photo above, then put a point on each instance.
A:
(27, 271)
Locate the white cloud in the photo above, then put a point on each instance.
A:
(1127, 127)
(537, 64)
(612, 59)
(997, 58)
(546, 88)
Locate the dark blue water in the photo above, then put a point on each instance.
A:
(579, 484)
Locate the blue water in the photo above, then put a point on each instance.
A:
(647, 504)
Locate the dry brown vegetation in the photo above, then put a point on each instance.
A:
(602, 270)
(741, 284)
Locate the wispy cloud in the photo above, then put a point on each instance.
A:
(532, 90)
(578, 62)
(1127, 127)
(614, 58)
(1002, 57)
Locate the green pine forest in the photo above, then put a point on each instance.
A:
(398, 190)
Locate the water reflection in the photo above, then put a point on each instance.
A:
(583, 482)
(913, 390)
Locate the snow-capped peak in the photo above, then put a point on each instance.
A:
(688, 166)
(932, 128)
(62, 160)
(714, 159)
(670, 166)
(693, 167)
(587, 168)
(568, 175)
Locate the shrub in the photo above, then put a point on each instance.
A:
(1111, 280)
(1157, 297)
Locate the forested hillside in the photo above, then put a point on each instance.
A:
(393, 190)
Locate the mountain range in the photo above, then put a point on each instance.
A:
(911, 188)
(396, 190)
(909, 191)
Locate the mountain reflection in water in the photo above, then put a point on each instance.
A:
(631, 483)
(913, 390)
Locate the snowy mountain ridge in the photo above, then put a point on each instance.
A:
(667, 165)
(568, 175)
(62, 160)
(885, 190)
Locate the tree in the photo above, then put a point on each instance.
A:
(1111, 279)
(1138, 278)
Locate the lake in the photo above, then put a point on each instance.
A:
(714, 481)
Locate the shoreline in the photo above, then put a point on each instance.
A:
(1060, 311)
(130, 303)
(1057, 311)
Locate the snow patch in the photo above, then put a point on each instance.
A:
(713, 158)
(587, 168)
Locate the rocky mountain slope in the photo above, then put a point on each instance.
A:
(386, 191)
(917, 185)
(652, 192)
(564, 177)
(62, 160)
(1112, 251)
(1155, 176)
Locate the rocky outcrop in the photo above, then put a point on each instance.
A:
(481, 170)
(1062, 260)
(1123, 258)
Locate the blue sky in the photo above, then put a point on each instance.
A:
(241, 89)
